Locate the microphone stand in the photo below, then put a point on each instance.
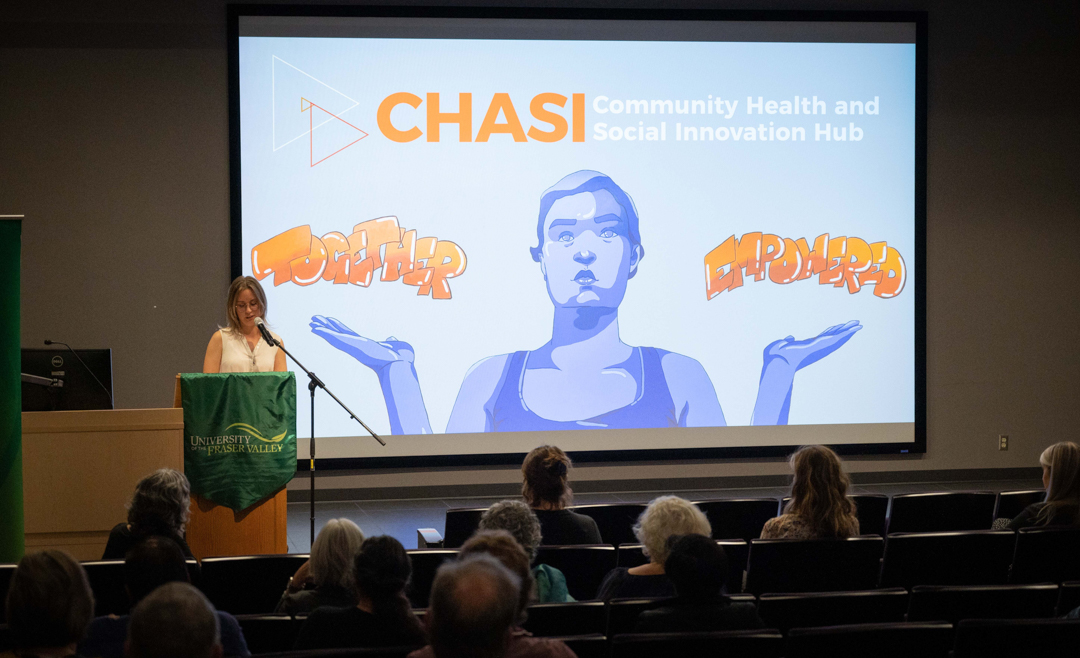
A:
(313, 383)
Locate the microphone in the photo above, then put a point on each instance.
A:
(107, 391)
(265, 332)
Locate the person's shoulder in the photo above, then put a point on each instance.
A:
(426, 652)
(527, 646)
(782, 526)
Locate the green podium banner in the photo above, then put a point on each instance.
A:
(239, 435)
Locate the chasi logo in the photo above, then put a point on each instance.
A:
(556, 129)
(239, 442)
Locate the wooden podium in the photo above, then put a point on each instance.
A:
(217, 530)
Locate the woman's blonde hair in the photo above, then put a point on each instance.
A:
(1063, 495)
(666, 516)
(819, 493)
(333, 553)
(545, 471)
(239, 285)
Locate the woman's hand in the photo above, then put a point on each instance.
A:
(302, 577)
(373, 354)
(801, 353)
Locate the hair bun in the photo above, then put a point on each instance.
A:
(557, 469)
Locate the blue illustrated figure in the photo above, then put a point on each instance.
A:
(588, 248)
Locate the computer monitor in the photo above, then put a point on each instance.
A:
(79, 390)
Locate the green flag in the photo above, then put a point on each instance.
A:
(239, 435)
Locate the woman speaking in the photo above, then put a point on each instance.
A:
(240, 347)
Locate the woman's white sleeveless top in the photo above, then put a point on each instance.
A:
(237, 355)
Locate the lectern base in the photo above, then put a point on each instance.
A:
(215, 530)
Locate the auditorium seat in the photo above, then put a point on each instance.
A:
(1046, 555)
(622, 614)
(580, 618)
(269, 633)
(379, 652)
(583, 565)
(871, 509)
(787, 611)
(979, 557)
(901, 640)
(615, 521)
(1016, 638)
(107, 582)
(6, 571)
(248, 584)
(1069, 598)
(460, 525)
(766, 643)
(739, 518)
(5, 636)
(425, 562)
(820, 565)
(586, 646)
(1010, 503)
(630, 555)
(941, 512)
(933, 603)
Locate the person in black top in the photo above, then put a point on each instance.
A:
(382, 618)
(160, 506)
(546, 491)
(697, 567)
(665, 516)
(49, 605)
(1061, 477)
(327, 578)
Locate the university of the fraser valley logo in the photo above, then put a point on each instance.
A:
(241, 441)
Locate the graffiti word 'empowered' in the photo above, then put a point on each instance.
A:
(836, 261)
(302, 258)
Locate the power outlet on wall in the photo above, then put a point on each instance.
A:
(1003, 442)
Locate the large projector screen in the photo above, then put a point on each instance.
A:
(634, 235)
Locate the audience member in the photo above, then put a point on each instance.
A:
(698, 567)
(819, 507)
(516, 518)
(1061, 477)
(160, 506)
(327, 578)
(153, 562)
(475, 603)
(49, 605)
(174, 621)
(546, 491)
(382, 616)
(500, 545)
(664, 517)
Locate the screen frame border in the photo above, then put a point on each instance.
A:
(919, 18)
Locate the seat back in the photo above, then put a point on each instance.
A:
(820, 565)
(1046, 555)
(425, 562)
(7, 570)
(107, 582)
(6, 641)
(930, 603)
(1069, 598)
(460, 525)
(1016, 638)
(584, 566)
(750, 644)
(739, 518)
(787, 611)
(555, 619)
(248, 584)
(630, 555)
(1009, 504)
(941, 512)
(902, 640)
(979, 557)
(615, 521)
(622, 614)
(872, 510)
(269, 633)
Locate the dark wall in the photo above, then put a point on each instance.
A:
(114, 144)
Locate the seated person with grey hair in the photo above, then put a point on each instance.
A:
(521, 522)
(326, 578)
(665, 516)
(154, 562)
(174, 621)
(160, 506)
(49, 604)
(474, 611)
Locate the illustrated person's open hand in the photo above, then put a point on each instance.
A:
(801, 353)
(373, 354)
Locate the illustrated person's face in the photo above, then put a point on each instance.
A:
(587, 257)
(248, 308)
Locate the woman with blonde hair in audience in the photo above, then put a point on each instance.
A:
(160, 506)
(326, 578)
(1061, 477)
(516, 518)
(545, 489)
(49, 605)
(664, 517)
(819, 507)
